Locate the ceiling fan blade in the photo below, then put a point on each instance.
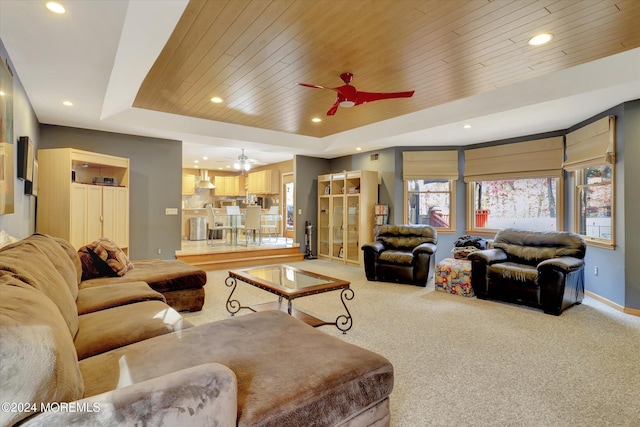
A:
(334, 107)
(315, 86)
(376, 96)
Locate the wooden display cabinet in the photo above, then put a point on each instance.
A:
(345, 214)
(72, 207)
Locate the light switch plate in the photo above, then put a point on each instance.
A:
(171, 211)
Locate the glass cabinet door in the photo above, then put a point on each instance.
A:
(323, 226)
(352, 246)
(337, 236)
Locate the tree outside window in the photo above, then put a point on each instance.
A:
(528, 203)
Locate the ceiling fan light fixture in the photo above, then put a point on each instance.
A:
(242, 164)
(347, 104)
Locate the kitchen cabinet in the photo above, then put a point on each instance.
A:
(264, 182)
(188, 185)
(229, 185)
(346, 203)
(78, 210)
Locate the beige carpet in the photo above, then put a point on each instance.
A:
(466, 362)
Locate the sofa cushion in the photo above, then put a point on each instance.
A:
(521, 274)
(73, 256)
(58, 256)
(38, 362)
(396, 257)
(115, 327)
(406, 236)
(161, 275)
(533, 247)
(114, 295)
(27, 261)
(288, 372)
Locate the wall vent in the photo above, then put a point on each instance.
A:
(374, 157)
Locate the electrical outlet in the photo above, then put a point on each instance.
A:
(595, 270)
(159, 251)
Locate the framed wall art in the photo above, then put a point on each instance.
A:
(6, 139)
(25, 158)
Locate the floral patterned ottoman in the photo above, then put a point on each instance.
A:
(454, 276)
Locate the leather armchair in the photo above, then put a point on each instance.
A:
(539, 269)
(401, 253)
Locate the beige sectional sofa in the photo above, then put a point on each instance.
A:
(117, 354)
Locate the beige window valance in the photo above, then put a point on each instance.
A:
(529, 159)
(430, 164)
(591, 145)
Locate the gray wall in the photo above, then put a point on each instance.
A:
(305, 175)
(631, 137)
(20, 223)
(155, 183)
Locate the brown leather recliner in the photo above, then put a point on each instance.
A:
(539, 269)
(401, 253)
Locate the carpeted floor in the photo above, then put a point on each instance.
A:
(466, 362)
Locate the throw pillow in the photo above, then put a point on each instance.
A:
(111, 253)
(92, 265)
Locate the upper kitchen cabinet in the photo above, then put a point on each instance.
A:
(230, 185)
(188, 184)
(264, 182)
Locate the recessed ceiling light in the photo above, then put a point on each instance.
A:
(196, 166)
(205, 158)
(55, 7)
(216, 99)
(196, 161)
(467, 126)
(228, 166)
(67, 103)
(358, 149)
(316, 120)
(1, 93)
(540, 39)
(220, 168)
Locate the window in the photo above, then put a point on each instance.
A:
(429, 202)
(594, 204)
(591, 157)
(527, 203)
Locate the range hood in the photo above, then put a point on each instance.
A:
(205, 182)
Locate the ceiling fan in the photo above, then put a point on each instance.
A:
(348, 96)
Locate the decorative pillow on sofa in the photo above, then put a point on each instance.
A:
(92, 266)
(103, 258)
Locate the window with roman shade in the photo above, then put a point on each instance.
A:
(593, 144)
(541, 157)
(431, 164)
(429, 188)
(515, 185)
(590, 156)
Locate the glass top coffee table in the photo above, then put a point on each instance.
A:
(290, 283)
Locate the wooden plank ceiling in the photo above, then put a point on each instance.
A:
(252, 53)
